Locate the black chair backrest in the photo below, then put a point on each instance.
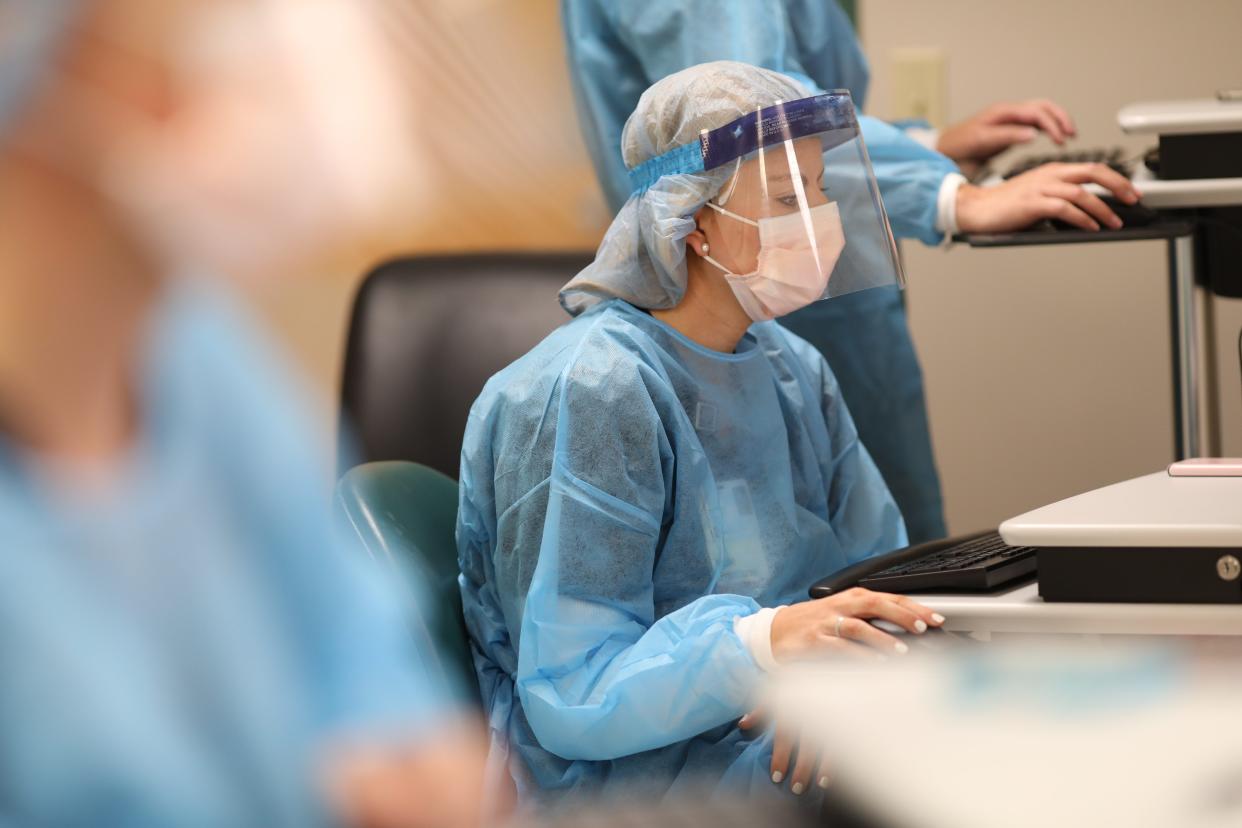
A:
(428, 332)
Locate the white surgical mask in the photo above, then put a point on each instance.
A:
(795, 262)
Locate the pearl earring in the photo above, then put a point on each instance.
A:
(706, 249)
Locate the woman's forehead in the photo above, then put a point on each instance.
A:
(774, 162)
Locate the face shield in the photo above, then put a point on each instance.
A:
(799, 216)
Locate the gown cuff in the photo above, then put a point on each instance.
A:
(946, 204)
(756, 633)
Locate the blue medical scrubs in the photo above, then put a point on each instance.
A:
(626, 494)
(618, 49)
(184, 646)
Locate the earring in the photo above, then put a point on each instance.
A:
(706, 249)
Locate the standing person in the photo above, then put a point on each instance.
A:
(617, 50)
(182, 641)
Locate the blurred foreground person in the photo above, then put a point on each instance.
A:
(181, 641)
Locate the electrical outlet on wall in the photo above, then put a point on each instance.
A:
(919, 85)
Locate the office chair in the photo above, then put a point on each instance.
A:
(428, 332)
(405, 515)
(425, 335)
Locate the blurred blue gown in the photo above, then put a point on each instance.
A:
(625, 495)
(618, 49)
(185, 649)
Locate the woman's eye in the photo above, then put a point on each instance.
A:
(789, 201)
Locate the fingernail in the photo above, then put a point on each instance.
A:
(823, 782)
(920, 626)
(901, 647)
(777, 776)
(797, 788)
(937, 618)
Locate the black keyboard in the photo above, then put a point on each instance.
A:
(974, 563)
(1112, 157)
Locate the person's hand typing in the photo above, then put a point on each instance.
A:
(1051, 191)
(989, 132)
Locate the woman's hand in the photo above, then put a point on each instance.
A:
(808, 766)
(1051, 191)
(991, 131)
(838, 624)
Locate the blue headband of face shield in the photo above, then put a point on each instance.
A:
(829, 116)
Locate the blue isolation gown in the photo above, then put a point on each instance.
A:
(616, 50)
(185, 648)
(626, 494)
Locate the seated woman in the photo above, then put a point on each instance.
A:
(648, 492)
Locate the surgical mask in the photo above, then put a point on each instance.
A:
(795, 261)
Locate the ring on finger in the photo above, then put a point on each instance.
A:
(836, 630)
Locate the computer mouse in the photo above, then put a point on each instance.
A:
(1131, 215)
(1151, 160)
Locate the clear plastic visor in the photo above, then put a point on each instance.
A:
(800, 203)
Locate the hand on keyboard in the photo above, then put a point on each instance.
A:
(991, 131)
(1052, 191)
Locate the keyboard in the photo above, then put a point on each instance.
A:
(1114, 158)
(981, 562)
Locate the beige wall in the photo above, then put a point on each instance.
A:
(1048, 370)
(505, 168)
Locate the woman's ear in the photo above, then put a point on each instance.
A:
(697, 239)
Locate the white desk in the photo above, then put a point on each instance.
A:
(1175, 194)
(1021, 610)
(1072, 737)
(1190, 192)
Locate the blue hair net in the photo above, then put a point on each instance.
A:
(642, 258)
(29, 33)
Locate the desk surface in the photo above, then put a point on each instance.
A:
(1021, 610)
(1026, 737)
(1162, 194)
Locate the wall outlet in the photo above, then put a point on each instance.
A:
(920, 85)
